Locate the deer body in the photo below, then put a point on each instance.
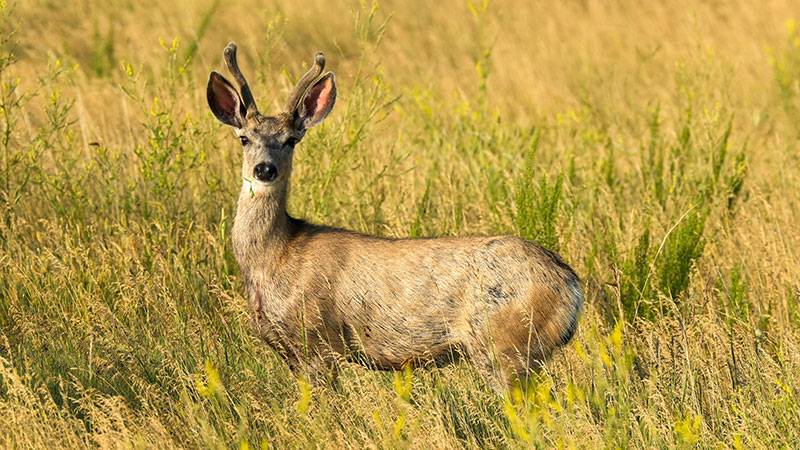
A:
(316, 292)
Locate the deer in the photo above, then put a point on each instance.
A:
(319, 294)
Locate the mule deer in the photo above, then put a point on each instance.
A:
(317, 292)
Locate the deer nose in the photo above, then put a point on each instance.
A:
(265, 172)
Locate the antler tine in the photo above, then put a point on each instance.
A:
(305, 82)
(229, 56)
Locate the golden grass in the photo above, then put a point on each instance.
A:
(122, 321)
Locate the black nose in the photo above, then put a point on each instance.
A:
(265, 172)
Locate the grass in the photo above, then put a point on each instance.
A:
(654, 146)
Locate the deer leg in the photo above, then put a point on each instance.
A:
(489, 370)
(315, 369)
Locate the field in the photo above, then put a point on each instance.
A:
(655, 146)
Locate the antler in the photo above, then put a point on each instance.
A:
(229, 55)
(305, 82)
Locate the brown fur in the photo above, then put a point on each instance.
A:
(317, 292)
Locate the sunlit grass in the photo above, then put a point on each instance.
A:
(654, 146)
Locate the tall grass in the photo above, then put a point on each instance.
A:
(654, 146)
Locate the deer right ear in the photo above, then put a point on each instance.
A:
(224, 101)
(317, 103)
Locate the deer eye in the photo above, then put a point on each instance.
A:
(291, 142)
(244, 140)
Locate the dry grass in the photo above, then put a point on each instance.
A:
(665, 173)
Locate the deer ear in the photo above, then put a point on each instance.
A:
(317, 103)
(224, 101)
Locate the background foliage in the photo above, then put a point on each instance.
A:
(655, 146)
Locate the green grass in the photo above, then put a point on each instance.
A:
(655, 149)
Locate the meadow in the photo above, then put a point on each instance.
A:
(654, 145)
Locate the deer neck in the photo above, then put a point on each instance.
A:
(261, 230)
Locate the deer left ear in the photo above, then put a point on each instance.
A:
(224, 101)
(317, 103)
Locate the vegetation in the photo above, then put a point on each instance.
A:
(654, 146)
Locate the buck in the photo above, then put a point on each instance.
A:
(317, 293)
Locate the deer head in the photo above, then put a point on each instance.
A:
(268, 141)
